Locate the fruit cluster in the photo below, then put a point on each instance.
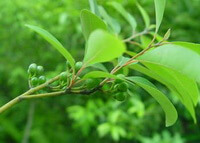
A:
(120, 90)
(36, 76)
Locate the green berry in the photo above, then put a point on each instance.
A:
(42, 79)
(122, 87)
(40, 70)
(78, 65)
(121, 76)
(34, 81)
(64, 76)
(105, 87)
(92, 83)
(67, 63)
(120, 96)
(32, 69)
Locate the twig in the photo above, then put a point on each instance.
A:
(146, 31)
(41, 95)
(30, 91)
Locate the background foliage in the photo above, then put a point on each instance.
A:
(91, 118)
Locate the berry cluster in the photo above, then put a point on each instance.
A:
(36, 76)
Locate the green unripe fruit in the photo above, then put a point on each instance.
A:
(92, 83)
(105, 87)
(122, 87)
(64, 76)
(121, 76)
(34, 81)
(40, 70)
(67, 64)
(78, 65)
(32, 69)
(120, 96)
(42, 79)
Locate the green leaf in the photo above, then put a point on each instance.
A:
(144, 15)
(54, 42)
(94, 7)
(100, 67)
(185, 88)
(192, 46)
(145, 41)
(90, 22)
(111, 21)
(183, 58)
(129, 18)
(167, 106)
(103, 47)
(122, 60)
(99, 74)
(160, 8)
(167, 35)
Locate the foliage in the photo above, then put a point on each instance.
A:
(99, 114)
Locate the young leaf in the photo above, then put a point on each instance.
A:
(111, 21)
(103, 47)
(90, 22)
(167, 106)
(129, 18)
(94, 7)
(144, 15)
(99, 74)
(167, 35)
(160, 8)
(54, 42)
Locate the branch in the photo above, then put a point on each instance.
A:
(42, 95)
(146, 31)
(30, 91)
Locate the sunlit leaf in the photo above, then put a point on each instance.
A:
(90, 22)
(160, 8)
(54, 42)
(103, 47)
(182, 58)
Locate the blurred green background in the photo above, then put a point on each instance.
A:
(87, 119)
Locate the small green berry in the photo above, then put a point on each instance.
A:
(32, 68)
(92, 83)
(42, 79)
(40, 70)
(122, 87)
(34, 81)
(64, 76)
(120, 96)
(105, 87)
(78, 65)
(121, 76)
(67, 63)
